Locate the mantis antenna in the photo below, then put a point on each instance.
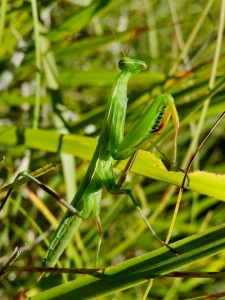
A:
(131, 36)
(113, 33)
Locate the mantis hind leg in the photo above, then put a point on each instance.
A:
(129, 193)
(115, 188)
(55, 196)
(99, 225)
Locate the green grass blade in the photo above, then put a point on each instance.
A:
(146, 163)
(140, 269)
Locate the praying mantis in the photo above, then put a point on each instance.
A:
(112, 144)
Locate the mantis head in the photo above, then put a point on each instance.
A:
(127, 64)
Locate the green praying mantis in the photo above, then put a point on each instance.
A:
(112, 145)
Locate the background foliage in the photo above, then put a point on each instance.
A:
(67, 61)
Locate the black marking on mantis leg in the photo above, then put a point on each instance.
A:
(158, 120)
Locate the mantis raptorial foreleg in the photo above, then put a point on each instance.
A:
(112, 144)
